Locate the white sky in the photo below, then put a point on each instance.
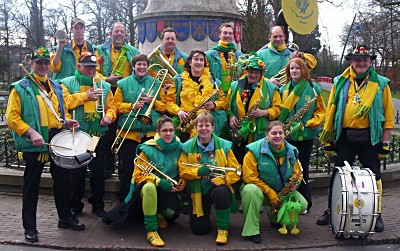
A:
(331, 22)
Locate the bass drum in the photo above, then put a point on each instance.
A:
(66, 158)
(354, 202)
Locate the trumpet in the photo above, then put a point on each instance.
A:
(120, 63)
(100, 100)
(149, 168)
(217, 171)
(145, 118)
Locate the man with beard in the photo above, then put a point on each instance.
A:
(114, 59)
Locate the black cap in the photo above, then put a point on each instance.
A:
(361, 51)
(88, 59)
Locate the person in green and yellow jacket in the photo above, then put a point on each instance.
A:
(199, 155)
(94, 109)
(269, 165)
(64, 62)
(190, 91)
(298, 91)
(35, 113)
(243, 96)
(219, 57)
(276, 55)
(133, 97)
(359, 119)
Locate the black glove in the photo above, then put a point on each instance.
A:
(329, 148)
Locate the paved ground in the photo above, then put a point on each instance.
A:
(178, 235)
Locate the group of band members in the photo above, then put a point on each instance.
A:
(216, 119)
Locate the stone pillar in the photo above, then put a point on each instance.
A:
(196, 22)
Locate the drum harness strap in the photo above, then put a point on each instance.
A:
(359, 206)
(50, 105)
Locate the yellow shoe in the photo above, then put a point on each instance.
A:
(162, 222)
(155, 239)
(222, 237)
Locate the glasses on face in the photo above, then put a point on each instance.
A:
(167, 130)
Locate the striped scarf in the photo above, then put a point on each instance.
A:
(290, 99)
(363, 108)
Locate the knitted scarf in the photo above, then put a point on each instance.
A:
(44, 115)
(89, 107)
(362, 109)
(281, 48)
(160, 143)
(291, 99)
(224, 46)
(277, 153)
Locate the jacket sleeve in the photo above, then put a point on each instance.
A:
(111, 109)
(388, 108)
(13, 114)
(222, 102)
(319, 114)
(232, 177)
(187, 172)
(138, 177)
(170, 100)
(310, 60)
(276, 107)
(72, 101)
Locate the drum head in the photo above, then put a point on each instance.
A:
(64, 138)
(337, 201)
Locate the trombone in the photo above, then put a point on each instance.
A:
(145, 118)
(120, 63)
(100, 100)
(117, 141)
(217, 171)
(149, 168)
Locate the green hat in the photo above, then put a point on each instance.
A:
(254, 62)
(41, 53)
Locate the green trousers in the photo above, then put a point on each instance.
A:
(252, 202)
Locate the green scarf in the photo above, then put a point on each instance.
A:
(90, 113)
(275, 152)
(291, 99)
(363, 108)
(224, 46)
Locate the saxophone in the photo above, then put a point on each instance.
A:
(246, 125)
(291, 126)
(186, 127)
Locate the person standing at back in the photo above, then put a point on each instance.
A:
(64, 62)
(114, 59)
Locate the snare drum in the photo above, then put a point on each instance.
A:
(66, 158)
(354, 202)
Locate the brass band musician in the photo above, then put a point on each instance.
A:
(133, 96)
(307, 110)
(253, 103)
(192, 94)
(91, 100)
(276, 55)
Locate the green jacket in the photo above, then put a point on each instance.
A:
(68, 61)
(131, 88)
(30, 112)
(274, 60)
(267, 166)
(73, 86)
(165, 162)
(104, 51)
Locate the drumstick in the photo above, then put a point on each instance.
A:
(63, 147)
(73, 128)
